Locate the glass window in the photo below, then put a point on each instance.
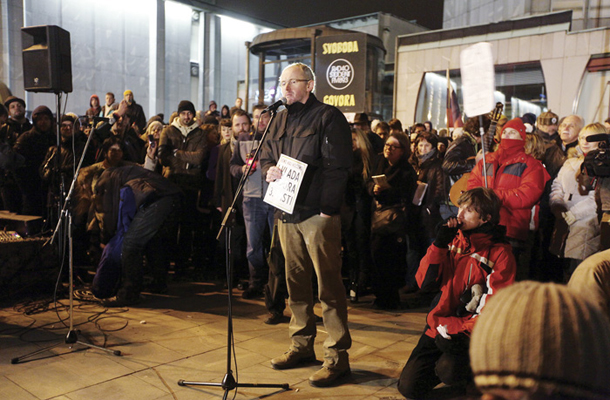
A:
(520, 87)
(592, 102)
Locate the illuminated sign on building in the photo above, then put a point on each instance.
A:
(341, 71)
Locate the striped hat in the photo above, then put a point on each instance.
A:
(542, 339)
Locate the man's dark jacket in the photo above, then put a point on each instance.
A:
(147, 187)
(318, 135)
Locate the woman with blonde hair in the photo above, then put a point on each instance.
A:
(151, 137)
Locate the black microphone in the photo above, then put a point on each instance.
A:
(600, 137)
(276, 105)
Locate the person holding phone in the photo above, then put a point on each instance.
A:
(153, 134)
(470, 260)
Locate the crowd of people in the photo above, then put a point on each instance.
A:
(434, 214)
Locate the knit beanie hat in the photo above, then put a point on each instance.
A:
(125, 93)
(94, 96)
(11, 99)
(529, 118)
(548, 118)
(542, 338)
(41, 110)
(517, 125)
(186, 105)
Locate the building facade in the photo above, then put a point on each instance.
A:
(164, 51)
(540, 63)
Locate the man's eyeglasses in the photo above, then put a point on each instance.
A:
(392, 147)
(293, 82)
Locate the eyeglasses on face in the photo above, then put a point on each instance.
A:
(292, 82)
(392, 147)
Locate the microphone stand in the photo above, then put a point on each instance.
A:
(65, 218)
(229, 382)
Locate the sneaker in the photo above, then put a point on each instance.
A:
(328, 376)
(291, 359)
(274, 319)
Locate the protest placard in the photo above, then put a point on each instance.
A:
(283, 192)
(478, 79)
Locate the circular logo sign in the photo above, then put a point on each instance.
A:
(340, 74)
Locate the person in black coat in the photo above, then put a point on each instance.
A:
(356, 215)
(394, 195)
(33, 146)
(429, 169)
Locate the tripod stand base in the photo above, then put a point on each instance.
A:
(228, 383)
(71, 338)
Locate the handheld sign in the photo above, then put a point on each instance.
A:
(283, 192)
(478, 79)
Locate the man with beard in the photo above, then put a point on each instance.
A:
(257, 214)
(135, 112)
(33, 146)
(182, 149)
(134, 145)
(224, 191)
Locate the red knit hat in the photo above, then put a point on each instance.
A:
(517, 125)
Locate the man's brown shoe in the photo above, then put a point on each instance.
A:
(328, 376)
(291, 359)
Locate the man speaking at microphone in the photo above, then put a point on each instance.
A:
(318, 135)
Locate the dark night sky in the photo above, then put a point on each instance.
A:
(292, 13)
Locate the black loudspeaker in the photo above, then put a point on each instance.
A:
(47, 61)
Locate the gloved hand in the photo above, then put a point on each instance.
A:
(569, 217)
(444, 235)
(457, 345)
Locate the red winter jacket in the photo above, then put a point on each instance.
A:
(518, 179)
(470, 259)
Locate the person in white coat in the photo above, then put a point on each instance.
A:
(577, 228)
